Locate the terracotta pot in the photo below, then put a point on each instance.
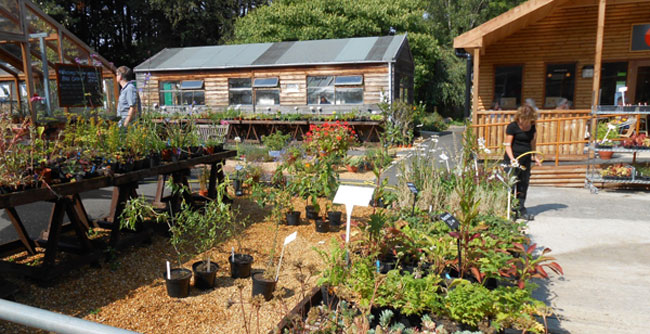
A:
(605, 155)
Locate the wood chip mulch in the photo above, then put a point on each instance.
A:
(129, 292)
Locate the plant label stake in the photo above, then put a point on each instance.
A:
(232, 252)
(453, 224)
(414, 191)
(169, 272)
(290, 238)
(351, 196)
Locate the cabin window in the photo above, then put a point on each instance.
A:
(405, 88)
(560, 84)
(266, 91)
(335, 89)
(240, 91)
(187, 92)
(614, 76)
(507, 87)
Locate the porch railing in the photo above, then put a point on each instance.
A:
(560, 133)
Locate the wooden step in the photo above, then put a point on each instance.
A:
(570, 176)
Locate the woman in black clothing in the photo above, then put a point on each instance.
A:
(520, 138)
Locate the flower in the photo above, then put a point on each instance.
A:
(36, 98)
(237, 139)
(444, 157)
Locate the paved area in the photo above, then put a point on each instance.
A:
(602, 241)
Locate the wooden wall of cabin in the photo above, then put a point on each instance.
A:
(375, 81)
(568, 35)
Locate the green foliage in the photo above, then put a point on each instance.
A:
(468, 303)
(253, 153)
(431, 122)
(276, 141)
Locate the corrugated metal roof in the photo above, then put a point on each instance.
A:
(317, 52)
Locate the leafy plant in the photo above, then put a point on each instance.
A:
(528, 266)
(276, 141)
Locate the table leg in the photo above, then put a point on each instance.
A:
(160, 191)
(56, 220)
(20, 229)
(80, 228)
(125, 192)
(81, 211)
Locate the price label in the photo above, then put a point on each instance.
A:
(450, 220)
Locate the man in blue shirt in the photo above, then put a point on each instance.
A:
(128, 104)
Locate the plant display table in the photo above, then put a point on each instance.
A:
(593, 175)
(66, 200)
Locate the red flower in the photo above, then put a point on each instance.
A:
(338, 137)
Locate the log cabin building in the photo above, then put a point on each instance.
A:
(304, 76)
(568, 56)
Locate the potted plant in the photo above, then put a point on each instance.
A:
(136, 210)
(606, 131)
(276, 142)
(207, 228)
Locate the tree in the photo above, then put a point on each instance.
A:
(127, 32)
(449, 19)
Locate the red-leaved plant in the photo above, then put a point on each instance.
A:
(527, 266)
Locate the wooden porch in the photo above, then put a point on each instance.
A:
(561, 134)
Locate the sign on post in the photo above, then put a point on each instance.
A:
(351, 196)
(450, 220)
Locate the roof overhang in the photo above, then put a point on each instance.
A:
(508, 23)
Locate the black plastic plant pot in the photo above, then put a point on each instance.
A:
(310, 212)
(334, 218)
(241, 267)
(293, 218)
(322, 226)
(179, 284)
(236, 183)
(204, 278)
(263, 286)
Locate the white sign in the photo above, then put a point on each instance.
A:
(351, 196)
(291, 237)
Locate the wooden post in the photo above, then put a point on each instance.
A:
(477, 57)
(59, 44)
(18, 100)
(599, 53)
(27, 63)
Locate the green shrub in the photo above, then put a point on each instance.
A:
(276, 141)
(431, 122)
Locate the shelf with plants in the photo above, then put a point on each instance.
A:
(89, 147)
(614, 134)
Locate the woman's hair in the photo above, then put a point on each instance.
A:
(126, 72)
(526, 113)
